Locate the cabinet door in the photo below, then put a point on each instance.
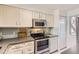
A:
(35, 15)
(29, 48)
(42, 16)
(50, 20)
(10, 16)
(25, 18)
(1, 15)
(53, 43)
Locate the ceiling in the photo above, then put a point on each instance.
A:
(48, 7)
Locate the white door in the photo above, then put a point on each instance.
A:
(62, 33)
(53, 44)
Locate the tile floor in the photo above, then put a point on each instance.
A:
(72, 50)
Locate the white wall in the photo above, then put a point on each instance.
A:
(73, 12)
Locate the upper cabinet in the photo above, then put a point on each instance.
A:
(42, 16)
(18, 17)
(25, 18)
(48, 17)
(35, 15)
(38, 15)
(1, 15)
(8, 16)
(15, 17)
(50, 20)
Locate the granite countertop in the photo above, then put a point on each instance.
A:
(51, 35)
(4, 43)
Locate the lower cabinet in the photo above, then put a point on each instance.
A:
(28, 50)
(53, 44)
(22, 48)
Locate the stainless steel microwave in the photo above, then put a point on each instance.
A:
(39, 23)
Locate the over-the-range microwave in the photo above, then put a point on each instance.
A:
(39, 23)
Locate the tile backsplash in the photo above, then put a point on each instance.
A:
(13, 32)
(9, 32)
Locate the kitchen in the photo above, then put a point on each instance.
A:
(32, 31)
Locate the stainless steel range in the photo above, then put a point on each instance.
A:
(41, 43)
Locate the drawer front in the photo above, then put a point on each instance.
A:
(18, 46)
(14, 51)
(29, 44)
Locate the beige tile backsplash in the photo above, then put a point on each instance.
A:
(9, 31)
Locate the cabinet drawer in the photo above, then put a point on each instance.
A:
(17, 51)
(29, 44)
(17, 46)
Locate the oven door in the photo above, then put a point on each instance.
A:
(39, 23)
(42, 46)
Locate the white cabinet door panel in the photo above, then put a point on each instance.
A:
(10, 16)
(42, 16)
(35, 15)
(1, 15)
(29, 47)
(50, 20)
(25, 18)
(53, 44)
(28, 50)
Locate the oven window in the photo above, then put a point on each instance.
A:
(42, 45)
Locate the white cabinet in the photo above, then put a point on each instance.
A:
(15, 17)
(1, 15)
(15, 49)
(42, 16)
(35, 15)
(25, 18)
(8, 16)
(38, 15)
(53, 44)
(22, 48)
(50, 20)
(29, 48)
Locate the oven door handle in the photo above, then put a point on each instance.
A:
(42, 39)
